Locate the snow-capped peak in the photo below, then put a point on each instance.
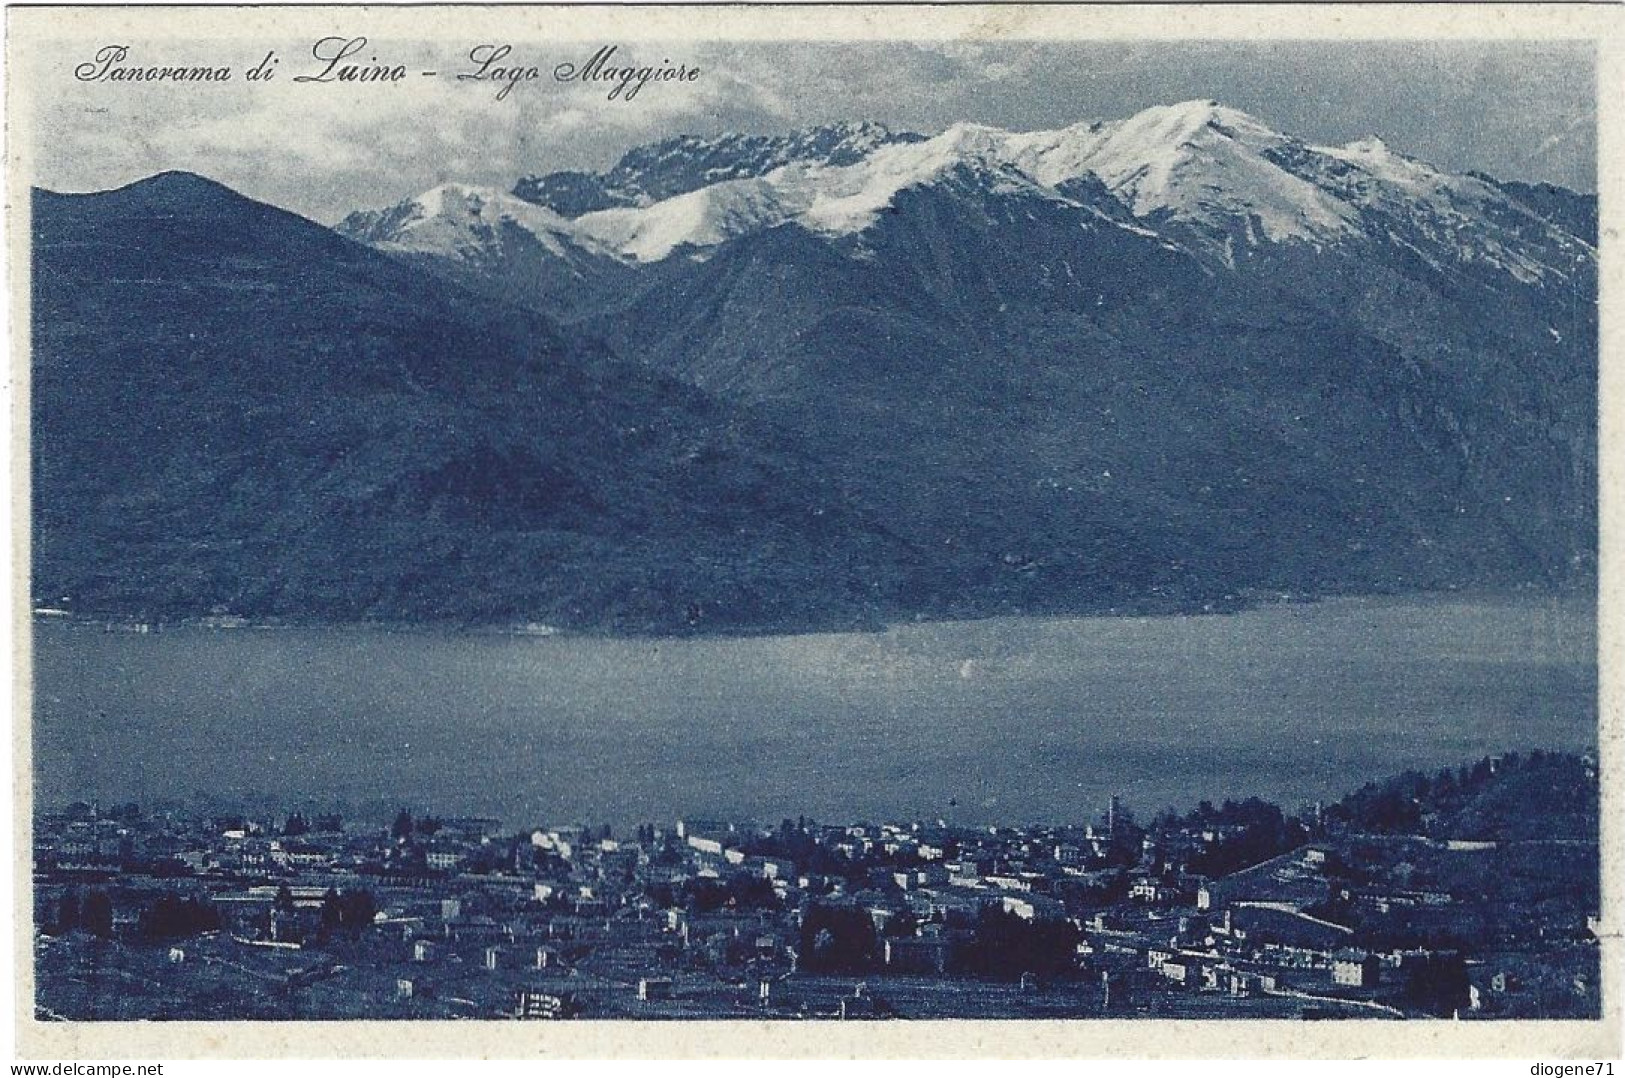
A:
(458, 220)
(682, 164)
(1370, 146)
(970, 139)
(1442, 217)
(471, 203)
(825, 198)
(1198, 164)
(1374, 157)
(1188, 121)
(1208, 177)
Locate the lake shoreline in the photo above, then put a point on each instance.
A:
(1239, 605)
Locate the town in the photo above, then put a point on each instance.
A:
(1468, 893)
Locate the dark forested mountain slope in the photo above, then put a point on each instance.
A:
(236, 410)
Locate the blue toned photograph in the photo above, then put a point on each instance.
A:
(573, 530)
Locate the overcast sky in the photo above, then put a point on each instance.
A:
(1518, 111)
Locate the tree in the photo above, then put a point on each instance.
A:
(332, 912)
(402, 827)
(96, 913)
(838, 939)
(67, 911)
(173, 917)
(1437, 984)
(296, 825)
(903, 925)
(356, 911)
(1006, 945)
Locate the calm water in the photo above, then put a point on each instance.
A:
(993, 721)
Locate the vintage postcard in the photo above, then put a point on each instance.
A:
(1064, 530)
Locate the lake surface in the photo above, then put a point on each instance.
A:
(1010, 721)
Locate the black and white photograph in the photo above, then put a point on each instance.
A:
(554, 517)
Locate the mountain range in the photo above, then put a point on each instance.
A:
(834, 377)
